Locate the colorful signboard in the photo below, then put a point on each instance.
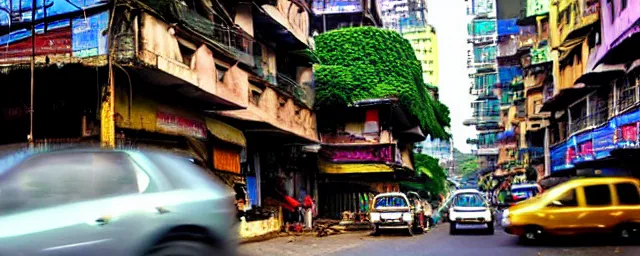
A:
(13, 12)
(537, 7)
(82, 35)
(336, 6)
(17, 44)
(540, 55)
(621, 132)
(360, 153)
(88, 38)
(174, 124)
(561, 156)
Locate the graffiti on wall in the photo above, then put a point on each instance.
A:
(370, 153)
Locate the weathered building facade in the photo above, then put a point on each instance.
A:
(593, 107)
(220, 83)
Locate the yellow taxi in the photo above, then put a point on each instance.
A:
(584, 205)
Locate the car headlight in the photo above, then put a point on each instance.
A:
(407, 216)
(375, 217)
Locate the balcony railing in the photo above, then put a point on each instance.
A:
(483, 92)
(483, 39)
(290, 86)
(594, 119)
(486, 114)
(233, 39)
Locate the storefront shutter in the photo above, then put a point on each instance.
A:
(226, 159)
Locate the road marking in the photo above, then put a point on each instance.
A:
(75, 245)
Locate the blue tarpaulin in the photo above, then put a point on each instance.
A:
(508, 27)
(507, 73)
(252, 190)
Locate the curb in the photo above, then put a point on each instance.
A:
(276, 234)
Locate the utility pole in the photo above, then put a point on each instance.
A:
(33, 66)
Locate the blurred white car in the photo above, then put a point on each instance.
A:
(469, 210)
(100, 202)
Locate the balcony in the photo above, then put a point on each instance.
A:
(589, 121)
(191, 72)
(488, 149)
(573, 15)
(483, 39)
(291, 87)
(483, 93)
(482, 117)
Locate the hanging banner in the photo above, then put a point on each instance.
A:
(380, 153)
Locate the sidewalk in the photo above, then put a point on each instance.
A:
(304, 245)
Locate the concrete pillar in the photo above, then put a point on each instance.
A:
(547, 153)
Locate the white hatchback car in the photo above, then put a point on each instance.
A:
(469, 210)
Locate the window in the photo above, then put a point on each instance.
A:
(597, 195)
(626, 92)
(56, 179)
(469, 200)
(579, 118)
(613, 10)
(628, 194)
(599, 104)
(623, 5)
(568, 199)
(391, 201)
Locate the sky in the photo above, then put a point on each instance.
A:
(449, 18)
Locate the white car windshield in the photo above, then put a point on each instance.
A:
(391, 201)
(469, 200)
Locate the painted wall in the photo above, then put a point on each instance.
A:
(613, 27)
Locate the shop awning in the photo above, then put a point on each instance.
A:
(567, 96)
(350, 168)
(226, 133)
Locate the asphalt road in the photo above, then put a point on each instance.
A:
(437, 242)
